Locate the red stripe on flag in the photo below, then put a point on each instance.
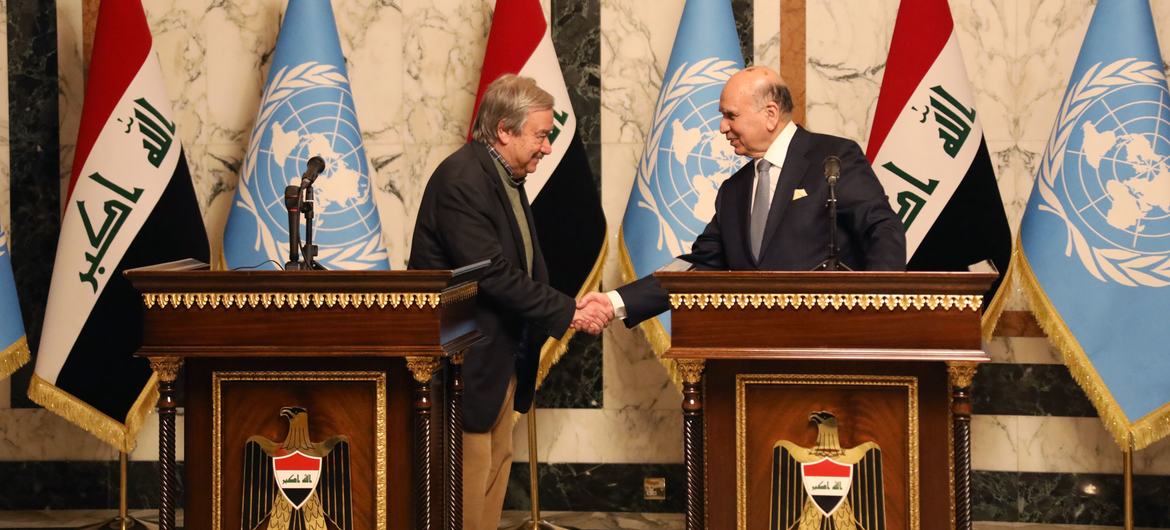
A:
(826, 468)
(517, 27)
(121, 42)
(920, 32)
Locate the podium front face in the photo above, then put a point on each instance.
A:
(311, 397)
(826, 400)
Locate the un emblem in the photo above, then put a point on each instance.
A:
(678, 180)
(1106, 173)
(308, 111)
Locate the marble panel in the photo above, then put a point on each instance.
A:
(1021, 350)
(1049, 37)
(598, 520)
(744, 13)
(443, 47)
(575, 381)
(40, 435)
(1081, 445)
(847, 45)
(1015, 164)
(34, 161)
(65, 485)
(606, 436)
(636, 40)
(597, 487)
(995, 496)
(1073, 498)
(766, 34)
(986, 525)
(987, 33)
(1028, 390)
(995, 442)
(576, 34)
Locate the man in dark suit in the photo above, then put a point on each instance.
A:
(474, 208)
(771, 215)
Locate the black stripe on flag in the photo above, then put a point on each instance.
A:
(972, 227)
(101, 369)
(570, 223)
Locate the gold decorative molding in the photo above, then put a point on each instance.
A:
(167, 367)
(844, 301)
(422, 368)
(961, 373)
(301, 300)
(381, 434)
(691, 370)
(910, 384)
(457, 357)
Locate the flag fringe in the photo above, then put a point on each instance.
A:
(13, 357)
(1147, 430)
(652, 328)
(554, 349)
(122, 436)
(995, 308)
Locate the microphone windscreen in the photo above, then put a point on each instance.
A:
(832, 166)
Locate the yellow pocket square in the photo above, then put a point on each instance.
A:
(799, 194)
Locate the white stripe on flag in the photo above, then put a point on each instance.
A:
(119, 157)
(543, 66)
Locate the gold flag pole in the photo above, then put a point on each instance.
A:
(123, 521)
(535, 523)
(1127, 472)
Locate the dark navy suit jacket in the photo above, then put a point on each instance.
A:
(796, 237)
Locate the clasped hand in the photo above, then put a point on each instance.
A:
(594, 313)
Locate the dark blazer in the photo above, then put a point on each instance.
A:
(465, 217)
(796, 237)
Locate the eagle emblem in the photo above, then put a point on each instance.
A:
(826, 487)
(297, 484)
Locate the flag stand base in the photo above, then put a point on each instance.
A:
(123, 521)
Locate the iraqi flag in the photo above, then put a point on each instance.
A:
(130, 203)
(566, 207)
(927, 147)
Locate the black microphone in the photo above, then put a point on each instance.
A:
(832, 174)
(313, 168)
(832, 169)
(292, 202)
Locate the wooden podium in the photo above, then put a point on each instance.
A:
(889, 355)
(356, 352)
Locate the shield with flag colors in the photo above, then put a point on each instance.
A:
(306, 110)
(130, 203)
(566, 206)
(297, 475)
(827, 482)
(685, 158)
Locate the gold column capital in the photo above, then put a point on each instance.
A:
(167, 367)
(422, 368)
(691, 370)
(961, 373)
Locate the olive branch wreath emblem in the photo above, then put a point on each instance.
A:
(687, 80)
(1123, 266)
(285, 83)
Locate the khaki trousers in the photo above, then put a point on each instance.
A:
(487, 461)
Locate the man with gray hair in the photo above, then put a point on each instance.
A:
(474, 209)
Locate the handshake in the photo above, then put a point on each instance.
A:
(594, 313)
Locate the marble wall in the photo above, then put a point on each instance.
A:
(609, 417)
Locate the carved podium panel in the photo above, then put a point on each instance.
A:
(826, 396)
(314, 397)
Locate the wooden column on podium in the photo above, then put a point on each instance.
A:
(373, 356)
(890, 355)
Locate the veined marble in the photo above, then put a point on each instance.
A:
(766, 33)
(1021, 350)
(603, 436)
(1051, 444)
(40, 435)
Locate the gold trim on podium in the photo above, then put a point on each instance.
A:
(743, 380)
(380, 428)
(306, 300)
(838, 301)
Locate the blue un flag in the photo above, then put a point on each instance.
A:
(15, 347)
(306, 110)
(1094, 247)
(685, 158)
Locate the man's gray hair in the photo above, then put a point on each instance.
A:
(507, 102)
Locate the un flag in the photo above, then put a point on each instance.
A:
(1094, 248)
(306, 110)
